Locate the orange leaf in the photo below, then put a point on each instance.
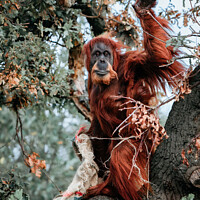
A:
(197, 144)
(35, 164)
(189, 150)
(185, 160)
(177, 15)
(185, 21)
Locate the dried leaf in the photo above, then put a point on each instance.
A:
(185, 160)
(197, 144)
(189, 150)
(177, 15)
(144, 121)
(185, 20)
(35, 164)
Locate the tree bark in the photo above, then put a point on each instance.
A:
(173, 175)
(96, 22)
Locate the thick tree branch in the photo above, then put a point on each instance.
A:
(83, 109)
(96, 22)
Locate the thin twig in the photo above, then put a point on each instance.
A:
(19, 129)
(62, 45)
(125, 120)
(6, 144)
(52, 181)
(189, 47)
(193, 13)
(147, 166)
(135, 156)
(154, 36)
(116, 138)
(167, 65)
(126, 8)
(135, 165)
(124, 127)
(20, 139)
(92, 17)
(122, 140)
(177, 58)
(195, 85)
(165, 102)
(192, 75)
(189, 35)
(158, 23)
(87, 16)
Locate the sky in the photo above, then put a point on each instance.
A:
(184, 30)
(178, 6)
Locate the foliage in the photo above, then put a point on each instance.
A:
(12, 190)
(189, 197)
(188, 17)
(48, 133)
(27, 61)
(33, 72)
(35, 164)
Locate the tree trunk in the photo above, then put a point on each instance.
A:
(173, 175)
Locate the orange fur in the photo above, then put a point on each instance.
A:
(139, 77)
(105, 79)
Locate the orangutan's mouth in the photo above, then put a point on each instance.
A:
(101, 72)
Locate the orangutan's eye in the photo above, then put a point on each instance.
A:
(97, 53)
(106, 53)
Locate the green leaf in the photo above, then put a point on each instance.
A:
(17, 195)
(189, 197)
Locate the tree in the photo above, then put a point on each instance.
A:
(42, 85)
(175, 165)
